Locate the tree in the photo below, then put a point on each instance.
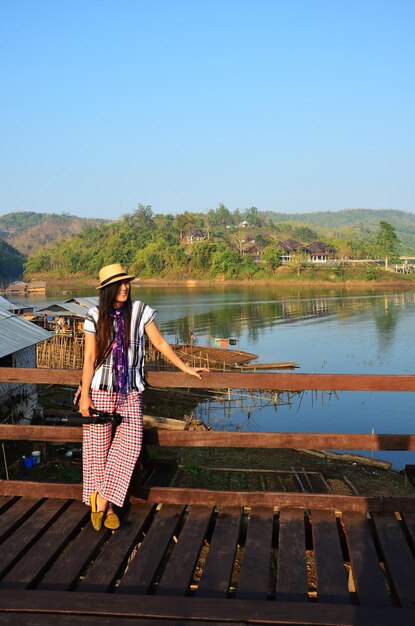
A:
(271, 256)
(297, 261)
(252, 217)
(387, 241)
(202, 255)
(184, 222)
(248, 266)
(223, 215)
(225, 262)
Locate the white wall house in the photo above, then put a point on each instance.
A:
(18, 339)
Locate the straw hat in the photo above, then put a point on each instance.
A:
(114, 273)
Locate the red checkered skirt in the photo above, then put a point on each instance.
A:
(108, 462)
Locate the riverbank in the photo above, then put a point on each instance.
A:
(392, 281)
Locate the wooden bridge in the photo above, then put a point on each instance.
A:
(196, 556)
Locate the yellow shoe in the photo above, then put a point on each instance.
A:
(96, 516)
(112, 521)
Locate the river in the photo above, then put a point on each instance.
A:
(324, 331)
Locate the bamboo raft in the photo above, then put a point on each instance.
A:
(206, 356)
(67, 352)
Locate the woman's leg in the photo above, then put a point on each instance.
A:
(125, 449)
(88, 484)
(96, 443)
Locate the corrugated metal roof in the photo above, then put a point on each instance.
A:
(85, 302)
(5, 304)
(60, 308)
(17, 333)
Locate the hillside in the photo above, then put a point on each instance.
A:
(217, 244)
(11, 263)
(354, 220)
(27, 231)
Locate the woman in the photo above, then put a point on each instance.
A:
(113, 380)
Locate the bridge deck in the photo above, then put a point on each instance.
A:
(180, 564)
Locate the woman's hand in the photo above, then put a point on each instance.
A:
(166, 350)
(85, 406)
(194, 371)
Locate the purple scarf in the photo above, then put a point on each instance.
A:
(119, 352)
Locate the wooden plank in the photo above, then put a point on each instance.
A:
(217, 570)
(232, 380)
(221, 439)
(282, 380)
(65, 570)
(37, 558)
(215, 610)
(22, 539)
(36, 619)
(142, 569)
(39, 376)
(5, 503)
(181, 565)
(367, 574)
(255, 570)
(206, 497)
(29, 432)
(26, 488)
(313, 441)
(291, 563)
(16, 515)
(107, 564)
(178, 495)
(332, 584)
(398, 557)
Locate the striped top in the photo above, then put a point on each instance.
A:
(142, 315)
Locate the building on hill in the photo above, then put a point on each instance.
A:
(319, 252)
(316, 252)
(289, 247)
(195, 236)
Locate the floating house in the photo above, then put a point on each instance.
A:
(66, 320)
(20, 288)
(18, 340)
(65, 316)
(17, 288)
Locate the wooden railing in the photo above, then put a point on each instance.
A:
(277, 381)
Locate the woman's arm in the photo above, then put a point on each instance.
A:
(166, 350)
(85, 402)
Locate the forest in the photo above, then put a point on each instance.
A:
(216, 244)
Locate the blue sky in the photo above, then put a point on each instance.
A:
(294, 105)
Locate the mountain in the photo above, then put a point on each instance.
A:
(11, 263)
(359, 221)
(27, 231)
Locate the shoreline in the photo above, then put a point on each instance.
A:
(262, 282)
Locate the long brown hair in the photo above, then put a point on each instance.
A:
(104, 326)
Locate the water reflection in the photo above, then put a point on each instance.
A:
(325, 331)
(236, 319)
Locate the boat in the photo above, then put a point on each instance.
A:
(252, 367)
(201, 356)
